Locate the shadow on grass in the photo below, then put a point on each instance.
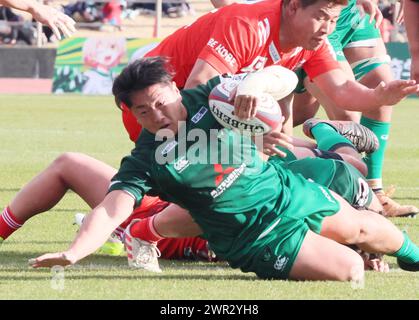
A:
(405, 198)
(103, 262)
(99, 267)
(14, 242)
(136, 275)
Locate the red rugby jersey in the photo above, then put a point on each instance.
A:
(237, 38)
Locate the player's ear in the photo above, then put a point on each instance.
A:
(293, 5)
(174, 87)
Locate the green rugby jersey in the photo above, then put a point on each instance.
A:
(349, 19)
(233, 203)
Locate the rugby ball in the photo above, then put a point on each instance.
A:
(268, 116)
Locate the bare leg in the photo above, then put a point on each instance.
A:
(375, 205)
(286, 105)
(374, 77)
(324, 259)
(305, 107)
(332, 111)
(86, 176)
(175, 222)
(368, 230)
(379, 119)
(348, 155)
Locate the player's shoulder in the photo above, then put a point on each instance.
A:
(145, 143)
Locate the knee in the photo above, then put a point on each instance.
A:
(64, 164)
(64, 160)
(353, 269)
(359, 165)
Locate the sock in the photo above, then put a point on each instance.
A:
(144, 229)
(375, 160)
(328, 138)
(8, 223)
(409, 252)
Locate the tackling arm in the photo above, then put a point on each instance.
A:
(95, 230)
(353, 96)
(201, 72)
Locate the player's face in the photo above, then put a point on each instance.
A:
(314, 23)
(158, 107)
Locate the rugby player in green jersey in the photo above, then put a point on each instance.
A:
(361, 53)
(256, 215)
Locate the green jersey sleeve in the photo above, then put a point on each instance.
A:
(134, 175)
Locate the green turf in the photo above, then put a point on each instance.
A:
(36, 129)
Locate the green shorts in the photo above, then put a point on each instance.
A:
(338, 176)
(276, 249)
(362, 34)
(349, 35)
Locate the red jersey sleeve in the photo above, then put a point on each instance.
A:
(227, 50)
(131, 125)
(321, 61)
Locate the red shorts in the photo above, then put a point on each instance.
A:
(171, 248)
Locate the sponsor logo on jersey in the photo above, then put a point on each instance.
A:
(257, 64)
(169, 147)
(227, 87)
(198, 116)
(218, 168)
(384, 137)
(223, 185)
(273, 51)
(280, 263)
(181, 164)
(296, 51)
(267, 254)
(299, 65)
(326, 194)
(222, 52)
(264, 30)
(228, 77)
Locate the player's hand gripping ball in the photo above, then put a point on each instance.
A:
(221, 103)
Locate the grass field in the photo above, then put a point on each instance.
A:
(36, 129)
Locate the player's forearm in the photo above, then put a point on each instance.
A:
(411, 20)
(353, 96)
(98, 226)
(24, 5)
(200, 74)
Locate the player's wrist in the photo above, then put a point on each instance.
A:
(378, 95)
(70, 256)
(32, 7)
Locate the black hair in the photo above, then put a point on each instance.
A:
(306, 3)
(139, 75)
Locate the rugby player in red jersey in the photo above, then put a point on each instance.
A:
(248, 37)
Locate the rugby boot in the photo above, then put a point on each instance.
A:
(392, 208)
(361, 137)
(141, 254)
